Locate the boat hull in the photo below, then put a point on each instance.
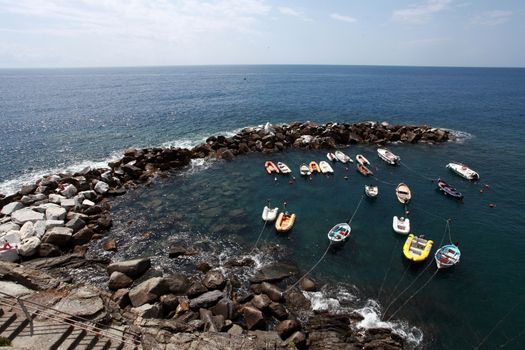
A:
(284, 222)
(401, 225)
(417, 249)
(403, 193)
(269, 214)
(339, 233)
(447, 256)
(325, 167)
(372, 191)
(388, 156)
(463, 171)
(271, 167)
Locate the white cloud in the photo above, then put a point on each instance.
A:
(420, 13)
(161, 20)
(492, 18)
(343, 18)
(288, 11)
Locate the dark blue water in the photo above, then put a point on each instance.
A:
(53, 119)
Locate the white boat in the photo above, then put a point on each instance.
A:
(305, 170)
(401, 225)
(388, 156)
(343, 158)
(325, 167)
(362, 160)
(283, 168)
(403, 193)
(463, 171)
(331, 157)
(447, 256)
(269, 214)
(371, 191)
(339, 232)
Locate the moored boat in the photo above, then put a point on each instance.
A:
(388, 156)
(447, 256)
(325, 167)
(283, 168)
(270, 167)
(284, 222)
(362, 160)
(401, 225)
(417, 248)
(364, 170)
(304, 170)
(343, 158)
(448, 190)
(371, 191)
(339, 232)
(314, 167)
(403, 193)
(463, 171)
(331, 157)
(269, 214)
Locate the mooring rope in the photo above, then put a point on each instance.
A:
(383, 181)
(418, 276)
(259, 237)
(413, 294)
(326, 251)
(512, 339)
(394, 248)
(415, 172)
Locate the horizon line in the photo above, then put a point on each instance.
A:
(259, 64)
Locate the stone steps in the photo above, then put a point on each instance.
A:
(50, 334)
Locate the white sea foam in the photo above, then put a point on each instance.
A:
(461, 136)
(12, 186)
(331, 299)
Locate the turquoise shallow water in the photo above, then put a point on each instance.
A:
(54, 119)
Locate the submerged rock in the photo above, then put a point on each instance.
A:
(274, 272)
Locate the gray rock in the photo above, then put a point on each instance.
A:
(118, 280)
(206, 300)
(12, 237)
(87, 203)
(75, 224)
(69, 191)
(83, 236)
(308, 285)
(148, 291)
(178, 283)
(55, 213)
(121, 298)
(49, 224)
(24, 215)
(148, 310)
(69, 203)
(253, 317)
(278, 311)
(169, 302)
(59, 236)
(225, 308)
(9, 226)
(10, 255)
(261, 301)
(196, 288)
(27, 230)
(274, 272)
(213, 280)
(235, 330)
(272, 291)
(43, 207)
(28, 247)
(101, 187)
(211, 323)
(55, 198)
(298, 339)
(46, 250)
(11, 207)
(287, 327)
(90, 195)
(133, 268)
(82, 301)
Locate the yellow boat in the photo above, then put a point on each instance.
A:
(417, 248)
(284, 222)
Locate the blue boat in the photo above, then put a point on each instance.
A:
(447, 256)
(448, 190)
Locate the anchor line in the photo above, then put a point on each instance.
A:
(394, 248)
(259, 237)
(415, 172)
(356, 209)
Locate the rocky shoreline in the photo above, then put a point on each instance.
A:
(48, 224)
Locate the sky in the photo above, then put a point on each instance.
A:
(101, 33)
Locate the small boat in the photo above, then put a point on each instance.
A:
(343, 158)
(283, 168)
(401, 225)
(417, 248)
(331, 157)
(314, 167)
(325, 167)
(388, 156)
(339, 232)
(463, 171)
(304, 170)
(403, 193)
(269, 214)
(447, 256)
(270, 167)
(448, 190)
(364, 170)
(284, 222)
(371, 191)
(362, 160)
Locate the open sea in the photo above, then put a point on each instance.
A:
(57, 119)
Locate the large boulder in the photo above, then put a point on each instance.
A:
(55, 213)
(27, 230)
(261, 301)
(178, 283)
(274, 272)
(46, 250)
(9, 226)
(69, 191)
(59, 236)
(148, 291)
(29, 246)
(11, 207)
(206, 300)
(278, 311)
(83, 302)
(24, 215)
(83, 236)
(253, 317)
(225, 307)
(287, 327)
(101, 187)
(271, 291)
(75, 224)
(308, 285)
(213, 280)
(118, 280)
(133, 268)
